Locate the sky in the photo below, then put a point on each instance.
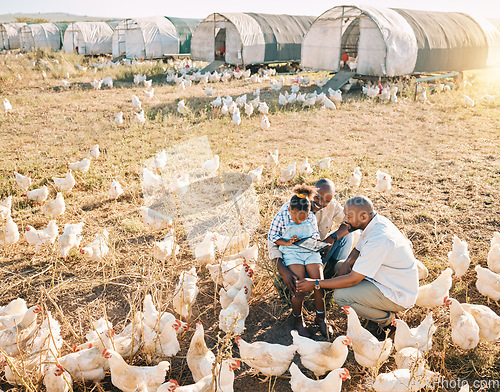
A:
(203, 8)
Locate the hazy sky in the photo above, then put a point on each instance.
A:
(203, 8)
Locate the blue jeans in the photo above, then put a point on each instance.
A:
(339, 251)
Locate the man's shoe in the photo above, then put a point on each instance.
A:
(324, 328)
(300, 327)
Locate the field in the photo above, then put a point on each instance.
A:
(442, 155)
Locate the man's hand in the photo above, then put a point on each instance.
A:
(287, 275)
(305, 285)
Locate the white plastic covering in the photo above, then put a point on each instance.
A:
(387, 44)
(88, 37)
(9, 35)
(244, 39)
(493, 38)
(40, 36)
(151, 37)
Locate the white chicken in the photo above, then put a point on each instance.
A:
(70, 238)
(15, 306)
(288, 174)
(149, 93)
(459, 257)
(236, 116)
(131, 378)
(248, 109)
(263, 108)
(7, 105)
(409, 358)
(355, 178)
(65, 84)
(233, 317)
(97, 249)
(224, 375)
(96, 84)
(139, 117)
(244, 280)
(182, 108)
(335, 95)
(488, 283)
(38, 195)
(249, 255)
(38, 238)
(5, 208)
(24, 182)
(383, 181)
(161, 341)
(404, 380)
(432, 294)
(321, 357)
(185, 293)
(212, 165)
(305, 168)
(56, 207)
(205, 250)
(468, 101)
(149, 179)
(154, 219)
(14, 339)
(464, 329)
(487, 320)
(118, 118)
(115, 190)
(85, 365)
(11, 320)
(368, 351)
(265, 124)
(80, 166)
(209, 91)
(66, 183)
(493, 254)
(180, 183)
(165, 248)
(217, 102)
(272, 158)
(256, 174)
(423, 272)
(199, 358)
(324, 164)
(233, 243)
(136, 102)
(108, 81)
(10, 233)
(266, 358)
(56, 379)
(331, 383)
(419, 337)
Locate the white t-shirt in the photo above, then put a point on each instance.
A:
(387, 260)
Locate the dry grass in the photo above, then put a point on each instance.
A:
(443, 158)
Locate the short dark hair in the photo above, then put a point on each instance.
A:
(301, 201)
(362, 203)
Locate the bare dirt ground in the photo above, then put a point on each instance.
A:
(443, 158)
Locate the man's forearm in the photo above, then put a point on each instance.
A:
(342, 231)
(341, 282)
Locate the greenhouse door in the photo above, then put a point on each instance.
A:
(220, 45)
(349, 44)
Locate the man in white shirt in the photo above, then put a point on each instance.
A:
(380, 276)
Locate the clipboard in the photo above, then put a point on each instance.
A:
(312, 244)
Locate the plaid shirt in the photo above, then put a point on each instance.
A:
(283, 219)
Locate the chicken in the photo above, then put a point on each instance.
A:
(403, 380)
(139, 117)
(149, 93)
(288, 174)
(324, 164)
(241, 101)
(321, 357)
(56, 379)
(65, 84)
(233, 317)
(335, 95)
(108, 81)
(39, 195)
(5, 208)
(115, 190)
(410, 358)
(419, 337)
(212, 165)
(432, 294)
(199, 358)
(136, 102)
(154, 219)
(97, 249)
(7, 105)
(468, 101)
(248, 109)
(494, 253)
(85, 365)
(488, 283)
(38, 238)
(228, 245)
(331, 383)
(24, 182)
(10, 233)
(96, 84)
(368, 351)
(163, 249)
(263, 108)
(384, 182)
(80, 166)
(249, 255)
(185, 293)
(149, 179)
(256, 174)
(459, 257)
(65, 183)
(423, 272)
(15, 306)
(147, 83)
(127, 342)
(355, 178)
(118, 118)
(487, 320)
(224, 375)
(225, 273)
(464, 329)
(70, 238)
(272, 158)
(217, 102)
(182, 108)
(236, 116)
(266, 358)
(11, 320)
(131, 378)
(161, 341)
(256, 101)
(305, 168)
(56, 207)
(203, 385)
(180, 183)
(265, 124)
(204, 252)
(15, 339)
(209, 91)
(244, 279)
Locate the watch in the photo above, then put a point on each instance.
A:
(316, 285)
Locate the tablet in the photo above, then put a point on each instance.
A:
(312, 244)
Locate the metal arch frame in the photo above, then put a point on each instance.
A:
(239, 33)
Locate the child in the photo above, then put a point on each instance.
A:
(295, 221)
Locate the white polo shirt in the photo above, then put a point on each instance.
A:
(387, 260)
